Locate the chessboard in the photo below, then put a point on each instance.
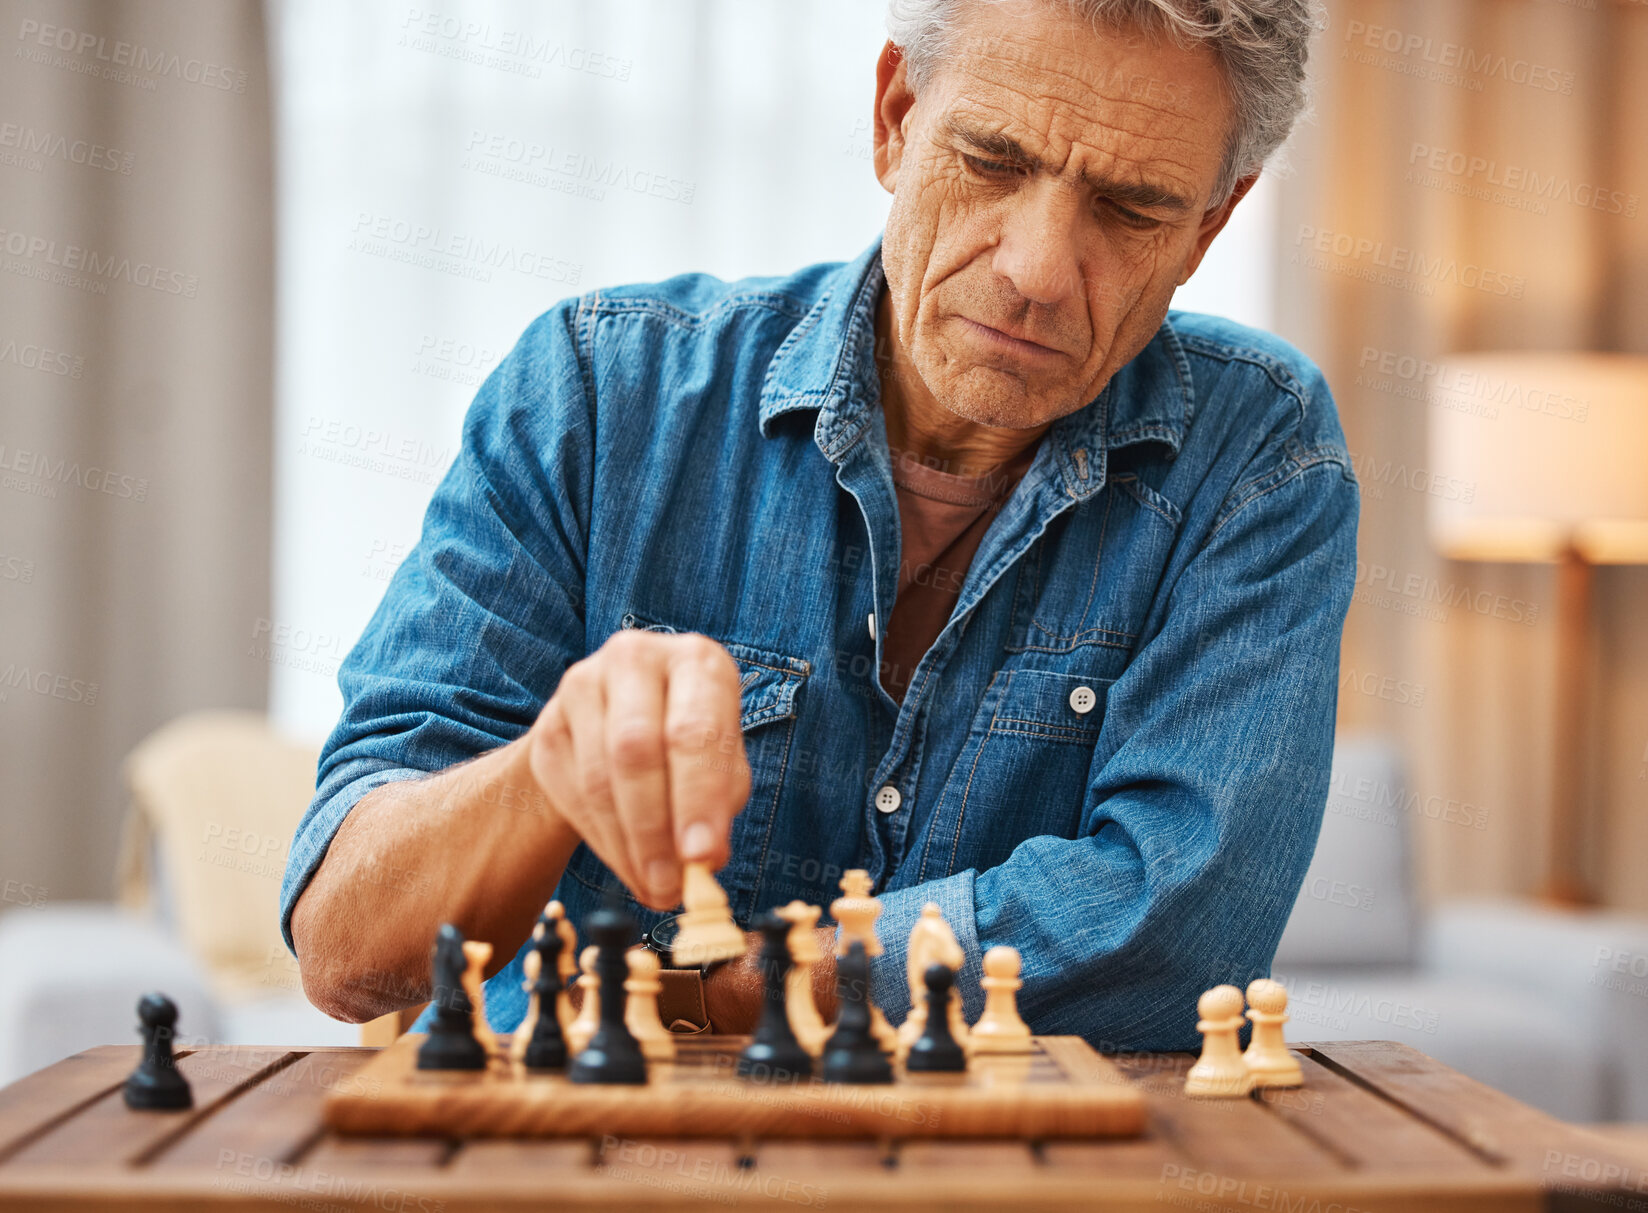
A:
(1062, 1088)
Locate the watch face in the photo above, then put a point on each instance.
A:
(662, 937)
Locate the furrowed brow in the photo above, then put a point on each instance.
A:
(998, 146)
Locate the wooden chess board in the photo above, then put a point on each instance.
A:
(1063, 1089)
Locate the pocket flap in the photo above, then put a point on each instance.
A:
(767, 681)
(1047, 703)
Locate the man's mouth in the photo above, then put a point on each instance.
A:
(1006, 342)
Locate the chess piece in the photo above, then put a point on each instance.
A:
(451, 1044)
(1000, 1029)
(936, 1050)
(612, 1056)
(857, 913)
(707, 932)
(852, 1053)
(156, 1084)
(1220, 1072)
(554, 919)
(583, 1027)
(805, 1021)
(478, 954)
(1267, 1056)
(545, 1042)
(531, 968)
(641, 1008)
(931, 942)
(774, 1054)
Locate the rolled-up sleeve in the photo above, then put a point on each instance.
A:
(486, 612)
(1207, 790)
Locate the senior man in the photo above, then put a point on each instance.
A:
(963, 562)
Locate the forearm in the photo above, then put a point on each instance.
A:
(477, 845)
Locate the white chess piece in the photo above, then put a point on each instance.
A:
(530, 967)
(805, 1021)
(708, 932)
(931, 942)
(589, 1015)
(1267, 1057)
(642, 988)
(856, 912)
(477, 953)
(566, 962)
(1220, 1072)
(1000, 1029)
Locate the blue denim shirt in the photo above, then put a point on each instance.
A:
(704, 456)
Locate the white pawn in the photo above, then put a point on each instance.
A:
(589, 1015)
(641, 1006)
(1267, 1057)
(531, 965)
(567, 962)
(1220, 1072)
(805, 1021)
(1000, 1029)
(477, 953)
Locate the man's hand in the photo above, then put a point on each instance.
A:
(639, 750)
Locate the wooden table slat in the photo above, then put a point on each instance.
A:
(33, 1103)
(108, 1133)
(413, 1154)
(1488, 1121)
(1225, 1136)
(273, 1123)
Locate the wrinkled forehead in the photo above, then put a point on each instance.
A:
(1054, 85)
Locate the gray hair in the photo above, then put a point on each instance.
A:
(1261, 46)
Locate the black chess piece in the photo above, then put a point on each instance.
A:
(936, 1049)
(451, 1044)
(774, 1054)
(612, 1055)
(852, 1053)
(546, 1049)
(156, 1083)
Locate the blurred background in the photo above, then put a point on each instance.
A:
(256, 259)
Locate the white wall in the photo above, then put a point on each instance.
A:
(730, 137)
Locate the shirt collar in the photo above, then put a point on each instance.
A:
(827, 363)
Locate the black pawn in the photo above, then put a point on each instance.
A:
(773, 1052)
(612, 1055)
(852, 1053)
(546, 1050)
(936, 1050)
(156, 1082)
(451, 1044)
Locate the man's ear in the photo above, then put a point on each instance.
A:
(893, 100)
(1213, 223)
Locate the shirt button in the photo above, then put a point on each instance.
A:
(1082, 700)
(888, 799)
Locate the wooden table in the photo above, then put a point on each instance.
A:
(1378, 1126)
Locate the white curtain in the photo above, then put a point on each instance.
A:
(448, 172)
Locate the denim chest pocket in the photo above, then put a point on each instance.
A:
(769, 684)
(1035, 729)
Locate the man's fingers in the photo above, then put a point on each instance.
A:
(709, 778)
(589, 781)
(637, 761)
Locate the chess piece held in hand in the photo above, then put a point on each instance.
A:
(707, 932)
(852, 1053)
(451, 1044)
(1000, 1029)
(1268, 1058)
(1220, 1072)
(156, 1083)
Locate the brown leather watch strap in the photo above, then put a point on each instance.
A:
(681, 1001)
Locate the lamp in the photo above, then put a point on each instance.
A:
(1550, 454)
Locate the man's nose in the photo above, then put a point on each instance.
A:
(1037, 248)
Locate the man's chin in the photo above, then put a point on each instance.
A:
(986, 396)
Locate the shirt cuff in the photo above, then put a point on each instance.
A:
(315, 833)
(889, 982)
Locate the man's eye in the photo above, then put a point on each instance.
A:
(990, 168)
(1133, 218)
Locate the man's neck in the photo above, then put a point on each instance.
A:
(917, 423)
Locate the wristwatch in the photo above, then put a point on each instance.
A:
(681, 1001)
